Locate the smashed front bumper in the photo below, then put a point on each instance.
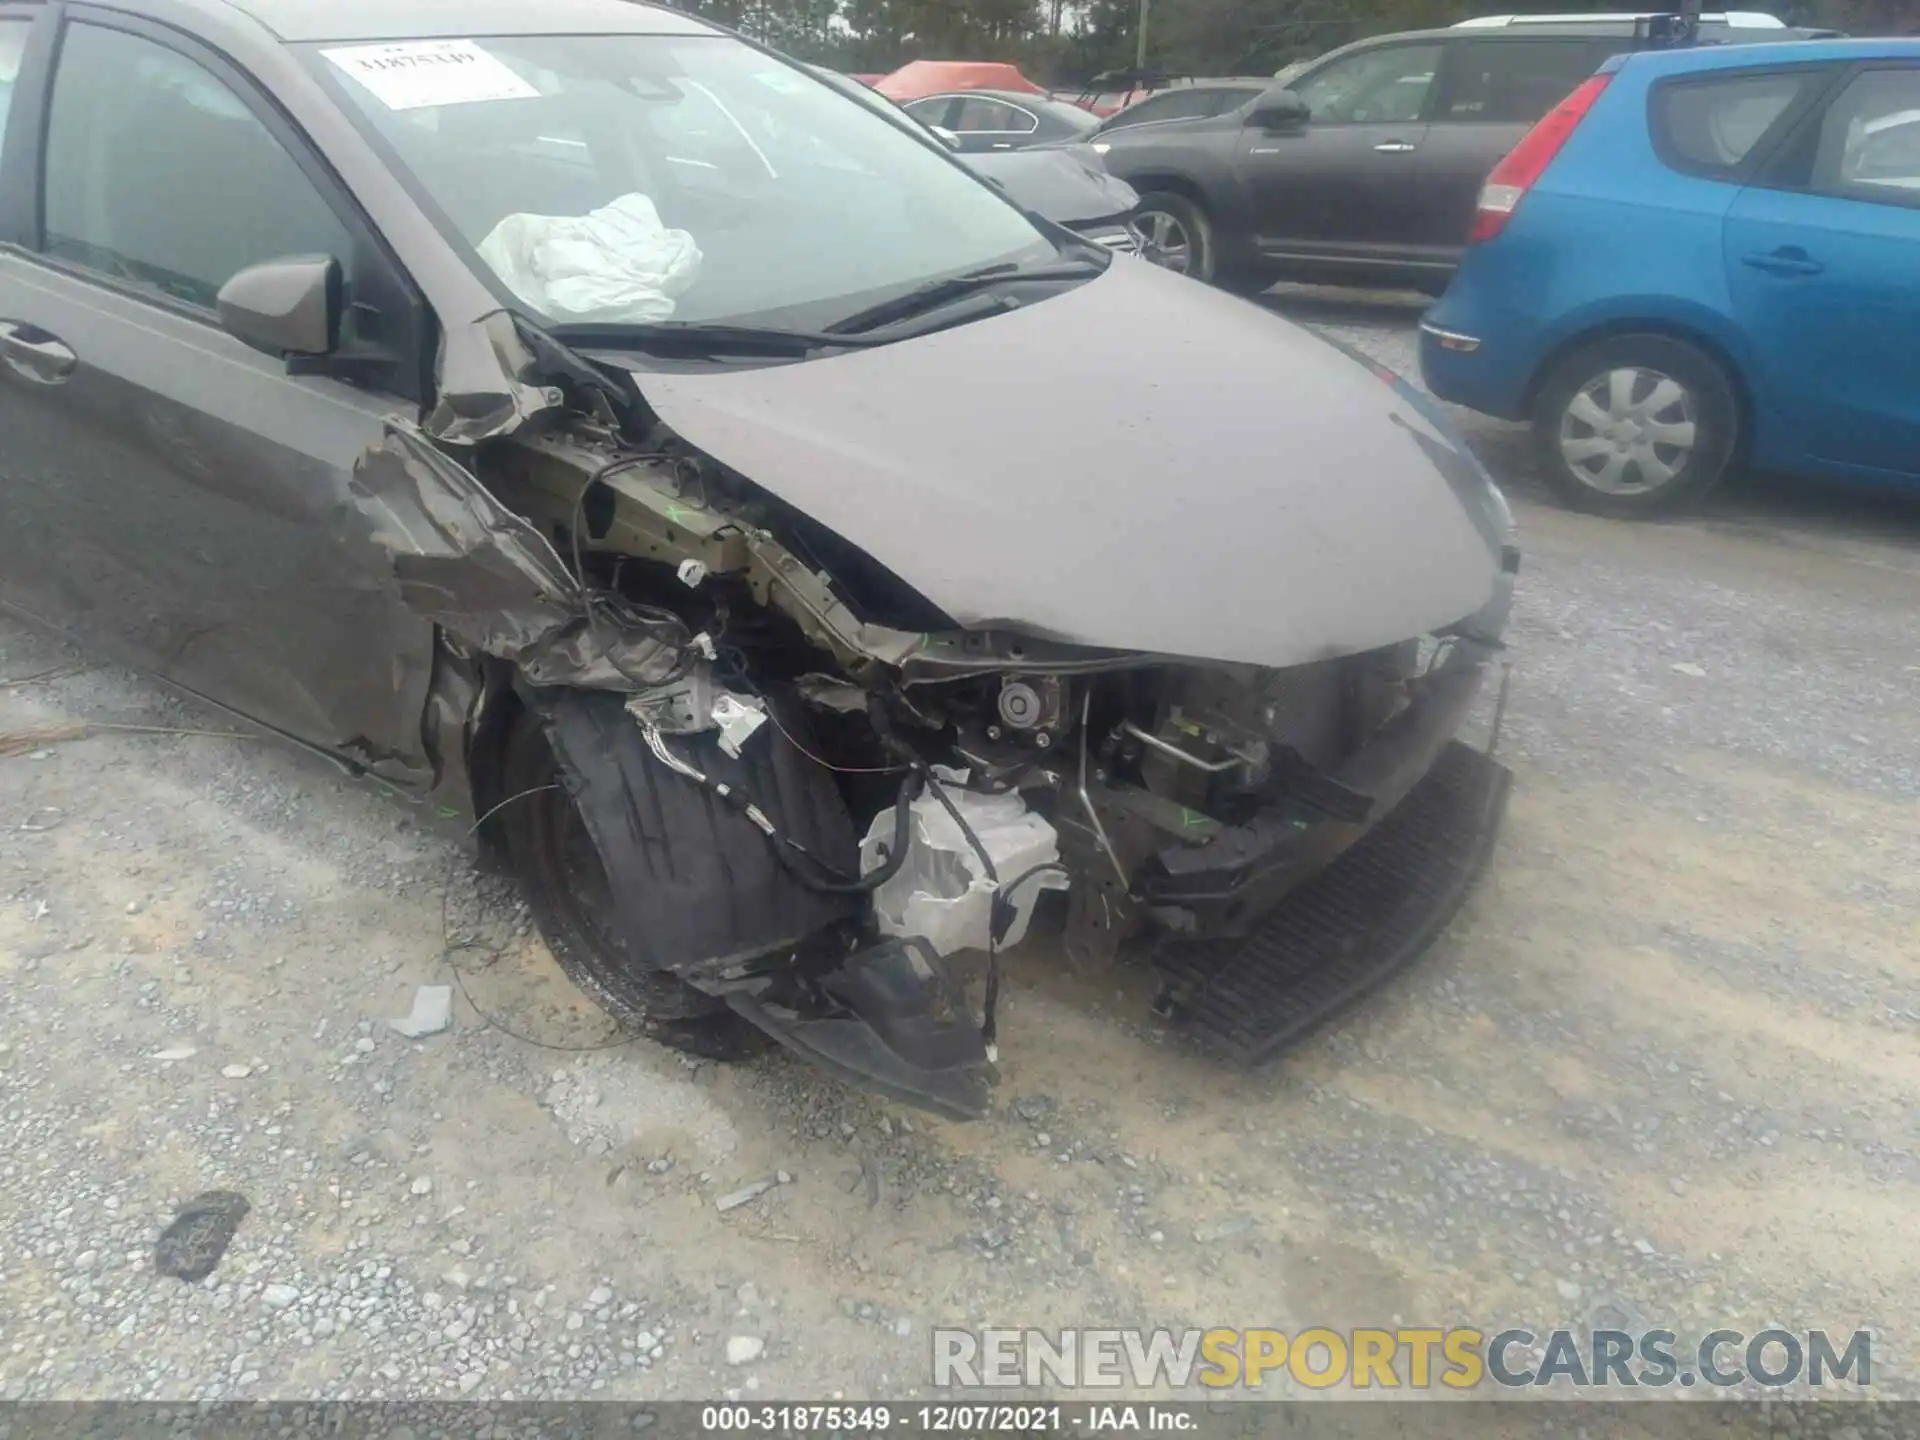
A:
(1224, 887)
(1272, 928)
(1348, 929)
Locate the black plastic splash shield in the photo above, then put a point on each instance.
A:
(891, 1018)
(698, 886)
(1353, 926)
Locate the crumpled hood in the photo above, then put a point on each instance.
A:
(1138, 463)
(1068, 184)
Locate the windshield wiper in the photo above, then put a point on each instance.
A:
(935, 293)
(875, 326)
(684, 337)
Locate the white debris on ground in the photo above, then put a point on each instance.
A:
(432, 1013)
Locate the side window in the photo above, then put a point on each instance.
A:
(977, 112)
(934, 110)
(13, 46)
(1174, 105)
(1870, 139)
(1512, 82)
(157, 173)
(1709, 127)
(1388, 85)
(1225, 101)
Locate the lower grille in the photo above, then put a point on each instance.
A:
(1354, 925)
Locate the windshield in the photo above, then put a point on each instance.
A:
(646, 178)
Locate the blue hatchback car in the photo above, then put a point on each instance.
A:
(1703, 259)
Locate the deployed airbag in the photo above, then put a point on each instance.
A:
(618, 263)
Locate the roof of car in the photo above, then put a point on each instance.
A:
(1785, 52)
(1733, 19)
(303, 20)
(1715, 34)
(1026, 99)
(1247, 87)
(934, 77)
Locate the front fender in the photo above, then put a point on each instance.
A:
(1204, 172)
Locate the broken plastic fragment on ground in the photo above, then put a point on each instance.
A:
(432, 1012)
(194, 1243)
(943, 893)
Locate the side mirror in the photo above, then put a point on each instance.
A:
(1280, 110)
(945, 136)
(285, 308)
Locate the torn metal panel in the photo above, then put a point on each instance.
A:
(501, 371)
(487, 382)
(664, 511)
(486, 576)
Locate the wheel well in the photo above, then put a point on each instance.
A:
(500, 707)
(1705, 344)
(1172, 184)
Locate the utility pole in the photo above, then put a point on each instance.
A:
(1140, 38)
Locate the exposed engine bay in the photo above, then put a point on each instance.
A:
(808, 788)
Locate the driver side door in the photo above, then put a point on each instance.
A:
(171, 497)
(1342, 184)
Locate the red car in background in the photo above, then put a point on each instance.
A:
(919, 78)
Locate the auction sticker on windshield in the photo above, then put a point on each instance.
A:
(416, 74)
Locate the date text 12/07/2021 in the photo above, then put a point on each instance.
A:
(945, 1419)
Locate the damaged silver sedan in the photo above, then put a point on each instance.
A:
(798, 557)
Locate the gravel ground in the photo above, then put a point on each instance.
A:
(1668, 1059)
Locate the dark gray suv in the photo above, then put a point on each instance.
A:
(1365, 166)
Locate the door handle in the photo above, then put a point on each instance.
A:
(1395, 147)
(1788, 260)
(34, 354)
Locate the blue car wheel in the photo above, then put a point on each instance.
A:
(1636, 425)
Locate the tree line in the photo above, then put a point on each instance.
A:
(1067, 41)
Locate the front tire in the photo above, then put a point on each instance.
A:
(1178, 235)
(571, 901)
(1634, 426)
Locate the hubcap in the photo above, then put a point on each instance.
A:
(1629, 431)
(1164, 241)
